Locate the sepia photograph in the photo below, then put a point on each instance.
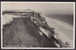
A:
(37, 25)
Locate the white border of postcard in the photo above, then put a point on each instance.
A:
(41, 47)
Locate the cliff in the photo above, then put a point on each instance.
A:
(21, 32)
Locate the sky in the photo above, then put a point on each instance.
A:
(48, 7)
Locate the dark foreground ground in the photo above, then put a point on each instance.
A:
(22, 33)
